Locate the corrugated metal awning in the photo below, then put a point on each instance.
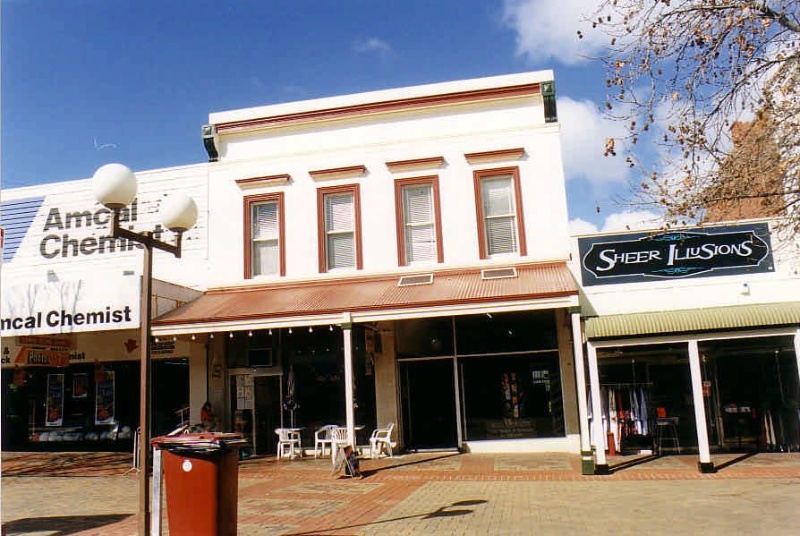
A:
(372, 298)
(694, 320)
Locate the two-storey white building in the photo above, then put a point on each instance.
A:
(396, 256)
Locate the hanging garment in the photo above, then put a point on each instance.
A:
(770, 430)
(644, 410)
(613, 417)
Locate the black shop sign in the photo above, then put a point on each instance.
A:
(706, 251)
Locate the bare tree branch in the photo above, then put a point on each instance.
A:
(686, 77)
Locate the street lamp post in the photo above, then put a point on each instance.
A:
(115, 187)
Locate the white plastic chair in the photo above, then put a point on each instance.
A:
(322, 438)
(339, 435)
(339, 441)
(288, 442)
(381, 440)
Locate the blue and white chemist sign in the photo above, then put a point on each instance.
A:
(702, 251)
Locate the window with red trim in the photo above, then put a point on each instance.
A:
(264, 235)
(419, 232)
(339, 228)
(501, 229)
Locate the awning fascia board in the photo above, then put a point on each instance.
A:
(699, 337)
(736, 318)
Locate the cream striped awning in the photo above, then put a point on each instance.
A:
(694, 320)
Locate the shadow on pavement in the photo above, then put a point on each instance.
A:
(735, 460)
(632, 463)
(62, 525)
(442, 511)
(368, 472)
(66, 464)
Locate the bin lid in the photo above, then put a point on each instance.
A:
(203, 441)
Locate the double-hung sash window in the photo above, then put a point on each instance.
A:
(339, 228)
(419, 230)
(264, 235)
(501, 228)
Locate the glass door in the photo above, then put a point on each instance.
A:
(429, 404)
(267, 398)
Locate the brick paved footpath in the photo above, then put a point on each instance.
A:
(431, 493)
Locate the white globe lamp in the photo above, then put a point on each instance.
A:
(114, 186)
(178, 212)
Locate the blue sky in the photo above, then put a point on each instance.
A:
(87, 82)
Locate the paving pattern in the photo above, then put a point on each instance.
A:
(446, 493)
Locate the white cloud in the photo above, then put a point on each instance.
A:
(549, 30)
(631, 220)
(584, 130)
(373, 44)
(581, 227)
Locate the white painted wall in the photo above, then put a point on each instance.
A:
(449, 131)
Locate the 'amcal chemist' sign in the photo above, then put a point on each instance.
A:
(70, 306)
(706, 251)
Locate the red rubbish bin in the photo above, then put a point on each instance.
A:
(201, 474)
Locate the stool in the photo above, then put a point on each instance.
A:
(667, 433)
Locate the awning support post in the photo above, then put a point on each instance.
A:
(705, 465)
(349, 398)
(797, 349)
(587, 461)
(601, 466)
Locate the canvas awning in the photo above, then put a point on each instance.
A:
(374, 298)
(736, 317)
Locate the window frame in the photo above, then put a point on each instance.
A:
(485, 174)
(322, 234)
(400, 216)
(249, 203)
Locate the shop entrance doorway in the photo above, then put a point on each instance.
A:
(753, 391)
(256, 409)
(428, 403)
(267, 396)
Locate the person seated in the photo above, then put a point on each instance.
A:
(207, 418)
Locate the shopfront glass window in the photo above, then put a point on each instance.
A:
(512, 397)
(752, 394)
(505, 332)
(427, 337)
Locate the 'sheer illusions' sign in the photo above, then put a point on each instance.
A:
(703, 251)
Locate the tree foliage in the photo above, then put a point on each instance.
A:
(689, 76)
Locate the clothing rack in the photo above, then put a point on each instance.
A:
(624, 415)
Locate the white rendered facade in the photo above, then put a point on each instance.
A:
(371, 140)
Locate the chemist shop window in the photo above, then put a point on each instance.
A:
(264, 236)
(339, 220)
(498, 202)
(419, 229)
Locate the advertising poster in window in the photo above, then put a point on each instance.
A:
(244, 392)
(80, 386)
(104, 408)
(55, 400)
